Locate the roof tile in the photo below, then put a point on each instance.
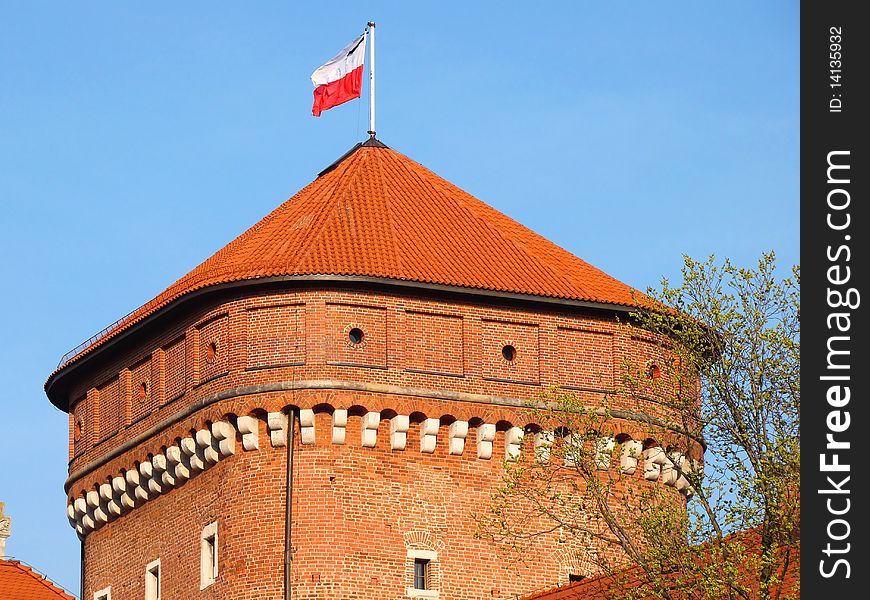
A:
(378, 213)
(21, 582)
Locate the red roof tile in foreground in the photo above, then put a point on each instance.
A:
(377, 213)
(20, 582)
(633, 580)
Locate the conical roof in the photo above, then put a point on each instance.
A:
(378, 214)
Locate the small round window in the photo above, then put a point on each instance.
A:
(509, 353)
(355, 336)
(654, 372)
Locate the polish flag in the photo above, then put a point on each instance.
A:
(340, 79)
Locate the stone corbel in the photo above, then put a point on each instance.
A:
(107, 497)
(162, 471)
(195, 460)
(339, 425)
(249, 427)
(513, 442)
(428, 435)
(543, 445)
(456, 433)
(485, 437)
(369, 429)
(399, 426)
(654, 459)
(176, 464)
(204, 442)
(631, 452)
(146, 470)
(306, 426)
(224, 438)
(95, 510)
(276, 423)
(119, 487)
(604, 452)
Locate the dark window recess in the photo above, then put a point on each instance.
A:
(421, 574)
(572, 578)
(509, 353)
(355, 335)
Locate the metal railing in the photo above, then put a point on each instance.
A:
(91, 340)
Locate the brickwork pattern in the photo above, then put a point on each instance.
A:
(359, 508)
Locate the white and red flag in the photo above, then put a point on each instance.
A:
(340, 79)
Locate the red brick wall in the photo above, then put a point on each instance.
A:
(461, 352)
(275, 336)
(356, 513)
(357, 510)
(433, 343)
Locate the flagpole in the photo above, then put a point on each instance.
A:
(372, 79)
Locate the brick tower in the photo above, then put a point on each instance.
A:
(327, 399)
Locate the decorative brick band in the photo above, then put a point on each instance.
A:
(145, 480)
(340, 385)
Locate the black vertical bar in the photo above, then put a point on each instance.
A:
(834, 337)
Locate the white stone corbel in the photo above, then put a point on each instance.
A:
(204, 442)
(306, 426)
(249, 427)
(513, 442)
(456, 433)
(543, 445)
(669, 472)
(399, 426)
(369, 429)
(162, 471)
(685, 466)
(573, 448)
(119, 487)
(604, 452)
(485, 437)
(107, 499)
(148, 480)
(276, 423)
(631, 452)
(428, 435)
(339, 425)
(71, 514)
(224, 438)
(136, 491)
(80, 507)
(176, 460)
(96, 508)
(88, 521)
(190, 449)
(654, 458)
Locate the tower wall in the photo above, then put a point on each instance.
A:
(362, 506)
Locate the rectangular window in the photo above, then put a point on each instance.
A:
(421, 574)
(208, 566)
(152, 580)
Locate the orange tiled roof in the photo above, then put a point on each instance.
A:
(377, 213)
(20, 582)
(633, 580)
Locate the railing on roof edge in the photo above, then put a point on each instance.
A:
(91, 341)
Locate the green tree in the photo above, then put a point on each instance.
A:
(728, 386)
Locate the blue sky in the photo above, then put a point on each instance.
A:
(138, 138)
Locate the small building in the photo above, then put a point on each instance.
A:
(19, 581)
